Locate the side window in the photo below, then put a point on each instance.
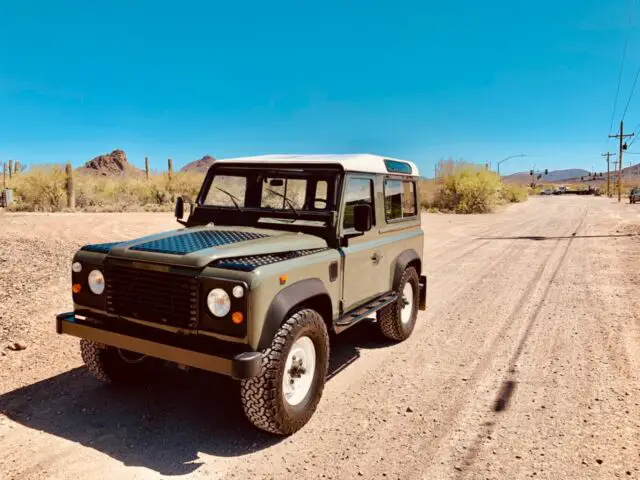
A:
(399, 199)
(358, 191)
(408, 199)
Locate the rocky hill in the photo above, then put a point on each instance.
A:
(110, 165)
(200, 166)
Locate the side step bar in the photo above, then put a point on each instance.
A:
(360, 313)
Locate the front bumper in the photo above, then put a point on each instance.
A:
(239, 366)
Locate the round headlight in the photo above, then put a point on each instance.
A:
(96, 282)
(238, 291)
(76, 267)
(218, 302)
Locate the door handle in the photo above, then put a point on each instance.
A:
(376, 257)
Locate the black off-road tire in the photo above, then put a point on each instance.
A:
(263, 397)
(106, 364)
(390, 318)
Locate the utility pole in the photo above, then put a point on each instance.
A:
(623, 146)
(608, 154)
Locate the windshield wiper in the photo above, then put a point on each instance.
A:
(233, 198)
(286, 199)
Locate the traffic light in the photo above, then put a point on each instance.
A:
(539, 176)
(624, 147)
(546, 171)
(531, 172)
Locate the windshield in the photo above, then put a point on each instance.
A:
(283, 195)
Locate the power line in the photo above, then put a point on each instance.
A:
(636, 132)
(624, 56)
(631, 94)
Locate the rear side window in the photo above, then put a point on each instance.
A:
(399, 199)
(359, 191)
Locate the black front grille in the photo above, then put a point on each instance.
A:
(161, 297)
(184, 243)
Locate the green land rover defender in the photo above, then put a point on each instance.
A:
(277, 251)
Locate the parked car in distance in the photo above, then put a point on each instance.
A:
(545, 192)
(634, 195)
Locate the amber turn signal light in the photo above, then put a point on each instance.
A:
(237, 318)
(76, 288)
(283, 279)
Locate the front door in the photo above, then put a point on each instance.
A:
(362, 265)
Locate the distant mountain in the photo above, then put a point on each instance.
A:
(201, 165)
(574, 175)
(631, 172)
(112, 164)
(552, 176)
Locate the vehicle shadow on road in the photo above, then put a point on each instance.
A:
(164, 425)
(541, 238)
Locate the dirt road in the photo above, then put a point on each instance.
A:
(525, 365)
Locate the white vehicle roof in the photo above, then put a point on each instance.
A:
(362, 162)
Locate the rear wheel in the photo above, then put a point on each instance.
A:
(115, 365)
(285, 395)
(398, 319)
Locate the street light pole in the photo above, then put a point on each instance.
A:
(508, 158)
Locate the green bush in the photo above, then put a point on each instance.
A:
(468, 188)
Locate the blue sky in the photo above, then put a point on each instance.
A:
(420, 80)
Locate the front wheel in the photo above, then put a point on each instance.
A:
(116, 365)
(285, 395)
(398, 319)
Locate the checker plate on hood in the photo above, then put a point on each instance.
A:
(193, 241)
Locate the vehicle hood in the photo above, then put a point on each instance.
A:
(197, 247)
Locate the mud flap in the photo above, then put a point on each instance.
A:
(423, 293)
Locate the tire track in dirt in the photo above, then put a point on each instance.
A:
(509, 384)
(482, 366)
(399, 357)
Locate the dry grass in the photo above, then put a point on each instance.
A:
(43, 189)
(460, 187)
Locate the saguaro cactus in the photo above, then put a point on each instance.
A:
(17, 168)
(71, 196)
(170, 162)
(146, 167)
(10, 169)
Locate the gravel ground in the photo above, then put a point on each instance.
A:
(526, 365)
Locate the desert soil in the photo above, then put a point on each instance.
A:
(526, 364)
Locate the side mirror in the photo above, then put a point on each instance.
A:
(362, 217)
(179, 212)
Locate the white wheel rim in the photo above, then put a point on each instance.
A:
(299, 370)
(407, 309)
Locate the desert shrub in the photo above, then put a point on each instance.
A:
(513, 193)
(467, 188)
(40, 189)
